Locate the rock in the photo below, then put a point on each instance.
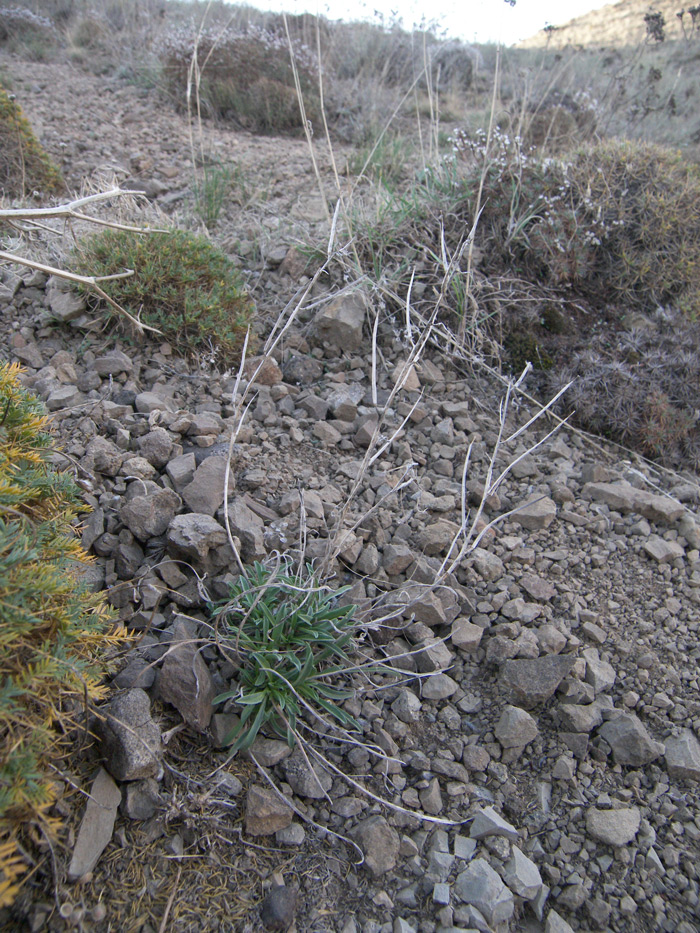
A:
(185, 681)
(683, 756)
(103, 456)
(620, 497)
(156, 447)
(599, 674)
(434, 656)
(147, 402)
(141, 799)
(96, 826)
(194, 535)
(131, 742)
(302, 370)
(262, 370)
(305, 779)
(64, 304)
(515, 728)
(659, 509)
(532, 681)
(537, 588)
(522, 875)
(436, 538)
(205, 492)
(268, 752)
(481, 886)
(63, 397)
(248, 527)
(341, 322)
(574, 717)
(535, 513)
(556, 924)
(613, 827)
(465, 635)
(181, 471)
(150, 515)
(629, 740)
(406, 706)
(265, 812)
(662, 551)
(431, 798)
(487, 565)
(488, 822)
(439, 687)
(396, 558)
(278, 907)
(379, 843)
(112, 364)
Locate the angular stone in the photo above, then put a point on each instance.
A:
(268, 752)
(613, 827)
(379, 842)
(620, 497)
(466, 635)
(247, 526)
(150, 515)
(146, 402)
(305, 779)
(683, 756)
(104, 456)
(396, 558)
(96, 826)
(112, 364)
(205, 493)
(436, 538)
(522, 875)
(537, 588)
(263, 371)
(66, 305)
(599, 674)
(481, 886)
(515, 728)
(434, 656)
(629, 740)
(406, 706)
(65, 396)
(181, 471)
(660, 509)
(488, 822)
(156, 447)
(535, 513)
(341, 322)
(574, 717)
(265, 812)
(278, 908)
(438, 687)
(487, 565)
(131, 742)
(194, 535)
(532, 681)
(141, 799)
(662, 551)
(185, 681)
(556, 924)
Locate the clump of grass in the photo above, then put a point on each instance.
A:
(245, 75)
(212, 185)
(291, 637)
(24, 166)
(182, 284)
(23, 30)
(54, 633)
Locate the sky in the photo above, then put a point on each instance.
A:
(470, 20)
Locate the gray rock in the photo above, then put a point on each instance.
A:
(265, 812)
(436, 538)
(620, 497)
(64, 303)
(396, 558)
(379, 843)
(535, 513)
(574, 717)
(431, 798)
(659, 509)
(556, 924)
(599, 674)
(150, 515)
(465, 635)
(156, 447)
(488, 822)
(662, 551)
(205, 493)
(103, 456)
(522, 875)
(487, 565)
(278, 908)
(141, 799)
(683, 756)
(248, 527)
(131, 742)
(406, 706)
(112, 364)
(613, 827)
(306, 779)
(185, 681)
(340, 323)
(515, 728)
(96, 826)
(481, 886)
(532, 681)
(268, 752)
(146, 402)
(194, 535)
(181, 471)
(629, 740)
(65, 396)
(438, 687)
(433, 656)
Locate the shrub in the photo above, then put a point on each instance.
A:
(25, 30)
(291, 637)
(615, 222)
(246, 76)
(181, 284)
(53, 633)
(24, 166)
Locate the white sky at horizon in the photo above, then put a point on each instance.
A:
(470, 20)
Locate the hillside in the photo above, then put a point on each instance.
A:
(614, 25)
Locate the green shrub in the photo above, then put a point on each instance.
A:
(246, 77)
(291, 638)
(24, 166)
(23, 30)
(181, 284)
(53, 633)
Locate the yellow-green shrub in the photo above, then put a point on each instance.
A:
(53, 632)
(24, 166)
